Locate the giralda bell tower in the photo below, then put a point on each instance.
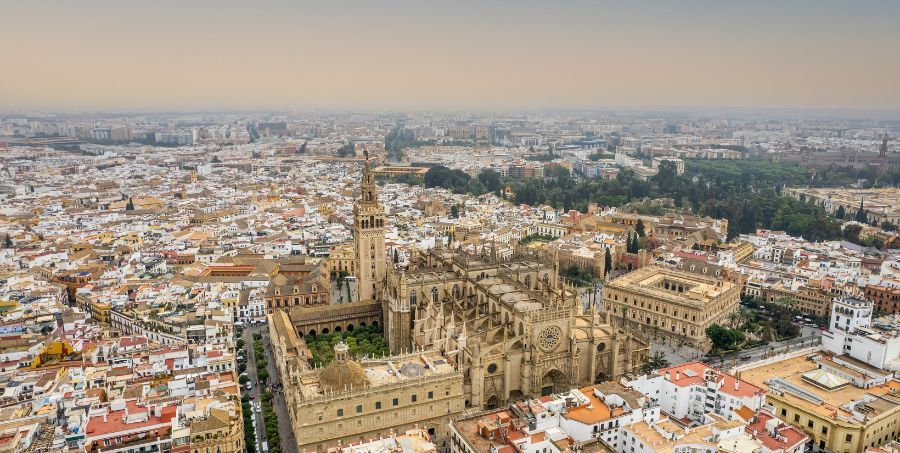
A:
(368, 239)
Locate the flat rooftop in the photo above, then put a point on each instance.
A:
(387, 371)
(693, 289)
(792, 370)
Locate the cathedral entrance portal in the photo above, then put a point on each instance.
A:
(553, 382)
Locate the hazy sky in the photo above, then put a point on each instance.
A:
(170, 55)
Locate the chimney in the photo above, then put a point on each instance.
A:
(678, 375)
(737, 384)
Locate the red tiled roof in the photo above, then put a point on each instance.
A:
(126, 342)
(792, 436)
(115, 421)
(678, 377)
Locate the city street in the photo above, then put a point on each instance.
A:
(254, 392)
(808, 337)
(679, 354)
(288, 444)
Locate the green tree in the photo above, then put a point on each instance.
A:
(841, 212)
(454, 211)
(441, 176)
(7, 242)
(639, 228)
(851, 233)
(721, 337)
(607, 262)
(654, 362)
(861, 215)
(130, 205)
(348, 150)
(490, 180)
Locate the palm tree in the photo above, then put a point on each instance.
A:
(734, 317)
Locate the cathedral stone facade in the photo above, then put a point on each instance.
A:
(515, 330)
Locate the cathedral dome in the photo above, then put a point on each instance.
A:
(342, 373)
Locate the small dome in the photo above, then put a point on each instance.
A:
(412, 370)
(342, 373)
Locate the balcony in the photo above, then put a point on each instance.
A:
(146, 445)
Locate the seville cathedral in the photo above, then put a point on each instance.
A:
(511, 326)
(465, 332)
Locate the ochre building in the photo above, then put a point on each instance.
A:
(663, 302)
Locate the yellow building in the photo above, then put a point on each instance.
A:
(100, 312)
(679, 304)
(837, 416)
(350, 401)
(220, 431)
(342, 259)
(742, 250)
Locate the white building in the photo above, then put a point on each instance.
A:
(859, 342)
(585, 416)
(690, 390)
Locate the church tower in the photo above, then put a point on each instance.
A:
(368, 238)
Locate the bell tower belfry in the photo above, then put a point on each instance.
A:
(368, 238)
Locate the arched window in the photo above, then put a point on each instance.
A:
(546, 279)
(456, 292)
(412, 298)
(434, 295)
(528, 281)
